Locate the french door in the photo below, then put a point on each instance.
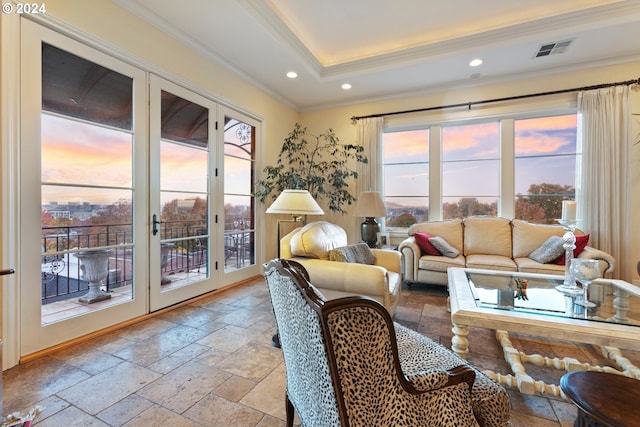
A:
(182, 176)
(135, 192)
(83, 190)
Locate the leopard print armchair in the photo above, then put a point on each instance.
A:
(349, 364)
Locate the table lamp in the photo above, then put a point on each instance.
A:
(370, 206)
(296, 203)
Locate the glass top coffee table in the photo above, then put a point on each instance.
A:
(492, 299)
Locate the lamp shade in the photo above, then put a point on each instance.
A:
(370, 205)
(295, 202)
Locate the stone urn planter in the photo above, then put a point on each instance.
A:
(94, 268)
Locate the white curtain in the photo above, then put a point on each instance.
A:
(369, 136)
(604, 189)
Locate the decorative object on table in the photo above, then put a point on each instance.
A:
(585, 270)
(569, 244)
(321, 165)
(295, 203)
(383, 240)
(521, 288)
(370, 206)
(568, 210)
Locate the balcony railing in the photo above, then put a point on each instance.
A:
(188, 252)
(61, 275)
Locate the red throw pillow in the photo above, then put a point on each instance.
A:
(422, 239)
(581, 242)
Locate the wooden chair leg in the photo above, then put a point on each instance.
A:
(290, 412)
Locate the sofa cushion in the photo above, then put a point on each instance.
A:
(359, 253)
(487, 235)
(450, 230)
(316, 239)
(548, 251)
(444, 247)
(581, 243)
(439, 263)
(527, 265)
(491, 262)
(422, 239)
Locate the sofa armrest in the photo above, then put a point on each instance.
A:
(411, 253)
(593, 253)
(391, 260)
(362, 279)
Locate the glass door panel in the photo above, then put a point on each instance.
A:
(86, 172)
(181, 136)
(239, 205)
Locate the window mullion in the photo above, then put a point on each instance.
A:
(506, 201)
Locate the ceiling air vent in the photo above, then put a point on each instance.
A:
(553, 48)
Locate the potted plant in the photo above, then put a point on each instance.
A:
(319, 164)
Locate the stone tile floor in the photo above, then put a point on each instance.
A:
(210, 363)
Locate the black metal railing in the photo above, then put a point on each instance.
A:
(61, 275)
(185, 250)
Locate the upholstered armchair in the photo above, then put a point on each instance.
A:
(348, 364)
(378, 275)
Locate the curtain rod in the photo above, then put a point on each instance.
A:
(354, 119)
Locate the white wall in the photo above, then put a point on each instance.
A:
(339, 120)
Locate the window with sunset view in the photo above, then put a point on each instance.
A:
(469, 169)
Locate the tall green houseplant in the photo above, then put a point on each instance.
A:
(317, 163)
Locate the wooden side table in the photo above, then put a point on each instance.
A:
(603, 399)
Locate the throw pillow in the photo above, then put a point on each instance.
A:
(581, 243)
(548, 251)
(444, 247)
(422, 239)
(358, 253)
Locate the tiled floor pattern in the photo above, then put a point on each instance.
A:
(211, 364)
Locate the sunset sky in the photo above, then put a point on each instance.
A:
(79, 154)
(470, 157)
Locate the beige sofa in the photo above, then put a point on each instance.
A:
(310, 246)
(487, 242)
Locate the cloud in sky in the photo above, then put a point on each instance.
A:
(409, 146)
(546, 135)
(83, 154)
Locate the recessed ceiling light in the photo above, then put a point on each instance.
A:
(475, 62)
(292, 74)
(346, 86)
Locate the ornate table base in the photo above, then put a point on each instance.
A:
(521, 381)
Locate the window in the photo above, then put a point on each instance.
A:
(470, 170)
(521, 168)
(406, 172)
(545, 166)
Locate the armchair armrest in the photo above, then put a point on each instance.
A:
(391, 260)
(434, 379)
(411, 253)
(593, 253)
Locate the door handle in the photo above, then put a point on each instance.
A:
(7, 271)
(155, 224)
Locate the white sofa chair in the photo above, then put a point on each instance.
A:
(310, 246)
